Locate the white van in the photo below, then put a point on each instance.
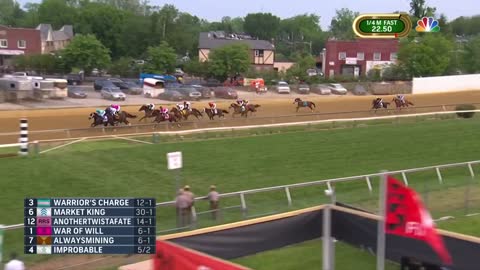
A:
(153, 88)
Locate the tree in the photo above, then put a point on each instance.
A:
(471, 55)
(299, 69)
(86, 52)
(341, 24)
(10, 13)
(56, 12)
(419, 9)
(196, 68)
(106, 23)
(262, 25)
(161, 59)
(300, 34)
(426, 56)
(228, 61)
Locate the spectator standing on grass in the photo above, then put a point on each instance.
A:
(213, 197)
(14, 263)
(191, 199)
(182, 204)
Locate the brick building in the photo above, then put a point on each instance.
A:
(18, 41)
(356, 57)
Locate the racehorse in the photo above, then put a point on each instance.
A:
(148, 113)
(99, 120)
(122, 117)
(376, 105)
(237, 109)
(211, 113)
(172, 118)
(401, 104)
(186, 113)
(302, 104)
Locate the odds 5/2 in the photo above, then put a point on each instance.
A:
(144, 250)
(382, 29)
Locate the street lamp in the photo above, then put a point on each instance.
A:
(324, 60)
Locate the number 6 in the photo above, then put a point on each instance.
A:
(30, 212)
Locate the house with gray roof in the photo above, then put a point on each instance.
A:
(54, 40)
(262, 51)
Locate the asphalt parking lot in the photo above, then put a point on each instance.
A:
(94, 99)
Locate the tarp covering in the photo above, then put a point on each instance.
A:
(247, 240)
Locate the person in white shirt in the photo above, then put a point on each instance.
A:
(14, 264)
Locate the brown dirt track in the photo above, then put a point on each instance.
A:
(327, 106)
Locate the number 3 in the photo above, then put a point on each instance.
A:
(30, 202)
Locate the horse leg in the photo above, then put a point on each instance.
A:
(297, 108)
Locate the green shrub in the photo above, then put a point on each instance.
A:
(465, 107)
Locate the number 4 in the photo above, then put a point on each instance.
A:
(30, 250)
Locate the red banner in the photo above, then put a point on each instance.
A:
(407, 217)
(174, 257)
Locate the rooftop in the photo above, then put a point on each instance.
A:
(216, 39)
(47, 33)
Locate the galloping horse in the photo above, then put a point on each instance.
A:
(148, 113)
(376, 105)
(401, 104)
(186, 113)
(302, 104)
(122, 117)
(211, 113)
(171, 118)
(98, 120)
(237, 109)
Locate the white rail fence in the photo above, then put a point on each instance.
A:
(327, 183)
(332, 122)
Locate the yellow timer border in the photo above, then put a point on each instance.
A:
(394, 16)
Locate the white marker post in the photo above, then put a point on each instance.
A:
(175, 162)
(1, 243)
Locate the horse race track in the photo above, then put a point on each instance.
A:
(358, 106)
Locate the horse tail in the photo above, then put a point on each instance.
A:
(313, 104)
(225, 111)
(130, 115)
(410, 103)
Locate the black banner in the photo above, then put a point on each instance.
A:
(247, 240)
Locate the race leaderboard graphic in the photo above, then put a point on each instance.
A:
(90, 225)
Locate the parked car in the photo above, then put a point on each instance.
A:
(311, 72)
(74, 79)
(359, 90)
(113, 93)
(172, 95)
(128, 87)
(76, 92)
(282, 87)
(189, 92)
(321, 89)
(303, 88)
(103, 83)
(206, 92)
(225, 92)
(337, 89)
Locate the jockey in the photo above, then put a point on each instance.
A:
(102, 114)
(401, 98)
(213, 107)
(150, 106)
(180, 107)
(380, 102)
(187, 106)
(114, 109)
(164, 112)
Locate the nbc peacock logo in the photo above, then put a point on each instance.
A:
(427, 24)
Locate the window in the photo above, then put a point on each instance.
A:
(342, 55)
(393, 56)
(259, 53)
(360, 56)
(377, 56)
(22, 44)
(3, 43)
